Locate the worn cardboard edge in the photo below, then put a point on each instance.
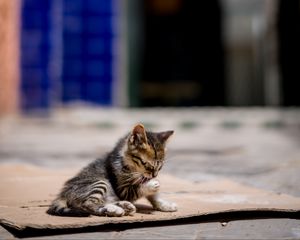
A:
(11, 224)
(217, 215)
(211, 217)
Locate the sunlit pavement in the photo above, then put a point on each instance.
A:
(256, 146)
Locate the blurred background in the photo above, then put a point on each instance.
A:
(133, 53)
(76, 75)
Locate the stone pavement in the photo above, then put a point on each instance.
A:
(256, 146)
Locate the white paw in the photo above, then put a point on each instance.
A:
(128, 207)
(112, 210)
(152, 187)
(165, 206)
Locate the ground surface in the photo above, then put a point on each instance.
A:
(259, 147)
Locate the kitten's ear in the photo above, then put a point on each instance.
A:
(138, 136)
(163, 136)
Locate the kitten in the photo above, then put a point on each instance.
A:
(109, 186)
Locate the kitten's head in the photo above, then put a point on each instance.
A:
(146, 151)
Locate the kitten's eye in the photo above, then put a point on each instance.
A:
(134, 157)
(137, 157)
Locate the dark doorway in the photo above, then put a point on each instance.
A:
(182, 56)
(289, 50)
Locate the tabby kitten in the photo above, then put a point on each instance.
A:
(109, 186)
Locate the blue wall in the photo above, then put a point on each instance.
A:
(35, 48)
(87, 54)
(66, 52)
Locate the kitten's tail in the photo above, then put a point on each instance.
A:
(59, 208)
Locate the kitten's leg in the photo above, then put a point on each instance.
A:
(151, 192)
(151, 187)
(117, 209)
(114, 209)
(128, 207)
(102, 209)
(111, 210)
(96, 205)
(161, 204)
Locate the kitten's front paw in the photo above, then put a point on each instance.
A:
(165, 206)
(151, 187)
(128, 207)
(112, 210)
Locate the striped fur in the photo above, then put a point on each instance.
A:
(109, 186)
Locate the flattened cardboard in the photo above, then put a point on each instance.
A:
(26, 192)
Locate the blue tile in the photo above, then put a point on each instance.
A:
(99, 92)
(32, 38)
(73, 6)
(72, 24)
(72, 68)
(99, 25)
(72, 90)
(72, 45)
(95, 68)
(86, 29)
(32, 57)
(96, 46)
(35, 53)
(100, 7)
(32, 77)
(35, 97)
(35, 19)
(36, 5)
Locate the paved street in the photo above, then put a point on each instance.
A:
(256, 146)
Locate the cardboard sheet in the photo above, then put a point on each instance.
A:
(26, 192)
